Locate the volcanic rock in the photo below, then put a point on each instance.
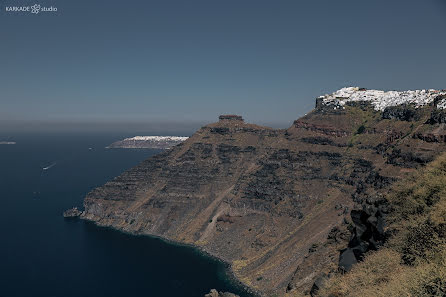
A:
(72, 213)
(260, 198)
(215, 293)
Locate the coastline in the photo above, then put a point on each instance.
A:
(230, 274)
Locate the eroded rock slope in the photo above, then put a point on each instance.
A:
(275, 204)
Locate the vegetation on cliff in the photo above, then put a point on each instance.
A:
(413, 262)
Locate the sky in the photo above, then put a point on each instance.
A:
(175, 62)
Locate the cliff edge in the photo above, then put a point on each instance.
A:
(275, 203)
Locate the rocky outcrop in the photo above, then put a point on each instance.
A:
(430, 137)
(215, 293)
(401, 112)
(72, 213)
(409, 158)
(438, 116)
(230, 117)
(275, 204)
(368, 233)
(318, 284)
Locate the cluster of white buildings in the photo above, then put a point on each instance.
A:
(381, 99)
(157, 138)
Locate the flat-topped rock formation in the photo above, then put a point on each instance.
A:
(152, 142)
(275, 203)
(230, 117)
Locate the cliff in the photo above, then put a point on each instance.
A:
(274, 203)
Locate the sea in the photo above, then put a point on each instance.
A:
(43, 254)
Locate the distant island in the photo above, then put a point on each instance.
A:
(7, 142)
(152, 142)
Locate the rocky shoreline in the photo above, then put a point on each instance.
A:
(215, 293)
(229, 272)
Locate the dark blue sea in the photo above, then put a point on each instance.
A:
(43, 254)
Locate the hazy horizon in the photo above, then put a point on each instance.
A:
(176, 128)
(105, 65)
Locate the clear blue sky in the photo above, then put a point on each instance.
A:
(191, 60)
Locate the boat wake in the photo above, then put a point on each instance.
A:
(49, 167)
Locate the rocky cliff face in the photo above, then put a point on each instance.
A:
(275, 204)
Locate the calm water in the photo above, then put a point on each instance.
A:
(41, 254)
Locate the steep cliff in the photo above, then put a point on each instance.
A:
(273, 203)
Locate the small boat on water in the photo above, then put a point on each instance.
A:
(48, 167)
